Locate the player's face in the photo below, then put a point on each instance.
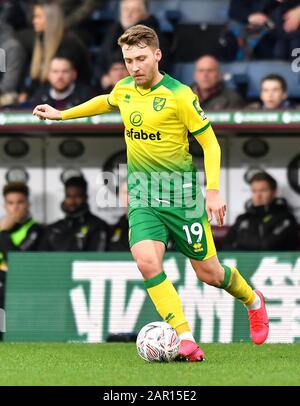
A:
(74, 198)
(16, 205)
(207, 74)
(39, 19)
(61, 74)
(272, 94)
(262, 194)
(142, 64)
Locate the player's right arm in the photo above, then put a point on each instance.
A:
(98, 105)
(191, 114)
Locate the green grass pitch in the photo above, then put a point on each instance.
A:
(118, 364)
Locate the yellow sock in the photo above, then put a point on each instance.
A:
(167, 302)
(236, 285)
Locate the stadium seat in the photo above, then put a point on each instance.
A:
(233, 72)
(246, 74)
(190, 11)
(253, 71)
(236, 76)
(259, 69)
(164, 5)
(184, 72)
(209, 11)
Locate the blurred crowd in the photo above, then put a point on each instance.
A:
(268, 223)
(62, 52)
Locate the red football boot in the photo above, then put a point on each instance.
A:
(259, 322)
(189, 351)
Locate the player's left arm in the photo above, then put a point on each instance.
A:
(197, 123)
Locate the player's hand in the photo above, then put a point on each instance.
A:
(8, 222)
(291, 20)
(44, 111)
(258, 19)
(215, 205)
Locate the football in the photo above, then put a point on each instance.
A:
(157, 342)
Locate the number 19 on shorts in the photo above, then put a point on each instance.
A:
(195, 229)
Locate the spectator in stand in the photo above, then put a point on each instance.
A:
(18, 230)
(116, 71)
(52, 39)
(76, 12)
(267, 225)
(132, 12)
(273, 94)
(15, 59)
(266, 28)
(77, 15)
(80, 230)
(210, 88)
(62, 91)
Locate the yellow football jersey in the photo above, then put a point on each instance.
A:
(157, 122)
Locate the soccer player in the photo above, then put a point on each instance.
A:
(158, 111)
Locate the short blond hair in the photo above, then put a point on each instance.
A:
(139, 35)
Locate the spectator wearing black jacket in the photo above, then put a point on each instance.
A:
(62, 90)
(267, 225)
(18, 230)
(80, 230)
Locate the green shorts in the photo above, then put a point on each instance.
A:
(192, 234)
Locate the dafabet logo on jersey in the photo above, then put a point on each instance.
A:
(143, 135)
(159, 103)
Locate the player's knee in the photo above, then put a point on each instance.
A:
(148, 266)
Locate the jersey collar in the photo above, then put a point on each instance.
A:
(144, 92)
